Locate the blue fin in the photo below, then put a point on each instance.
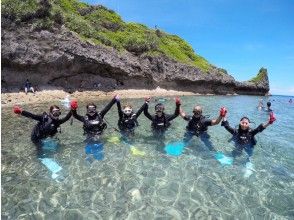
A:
(175, 148)
(96, 150)
(52, 166)
(223, 159)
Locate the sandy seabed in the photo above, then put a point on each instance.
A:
(56, 95)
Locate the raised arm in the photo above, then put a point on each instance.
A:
(74, 106)
(139, 112)
(66, 118)
(225, 123)
(183, 115)
(19, 111)
(146, 113)
(108, 106)
(263, 126)
(119, 110)
(222, 114)
(177, 110)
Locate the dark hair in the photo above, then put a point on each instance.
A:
(91, 104)
(159, 105)
(53, 107)
(245, 118)
(268, 104)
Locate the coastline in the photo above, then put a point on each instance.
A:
(56, 95)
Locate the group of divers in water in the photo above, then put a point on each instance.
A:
(197, 124)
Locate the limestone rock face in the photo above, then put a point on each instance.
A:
(60, 58)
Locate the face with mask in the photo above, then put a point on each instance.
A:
(127, 110)
(91, 110)
(55, 112)
(197, 111)
(159, 108)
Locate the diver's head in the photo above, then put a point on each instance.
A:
(127, 109)
(159, 108)
(268, 104)
(244, 123)
(54, 112)
(197, 111)
(91, 109)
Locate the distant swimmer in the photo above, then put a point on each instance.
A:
(290, 101)
(268, 105)
(260, 105)
(243, 136)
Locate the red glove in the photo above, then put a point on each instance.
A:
(272, 118)
(147, 99)
(17, 109)
(222, 112)
(74, 104)
(178, 101)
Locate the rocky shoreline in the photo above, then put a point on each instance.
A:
(59, 58)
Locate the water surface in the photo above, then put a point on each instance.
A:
(153, 186)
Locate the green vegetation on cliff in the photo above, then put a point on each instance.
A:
(101, 26)
(260, 76)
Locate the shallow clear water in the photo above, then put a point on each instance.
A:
(153, 186)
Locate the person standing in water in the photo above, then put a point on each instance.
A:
(160, 122)
(47, 125)
(244, 136)
(127, 121)
(93, 122)
(198, 125)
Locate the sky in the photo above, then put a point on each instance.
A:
(240, 36)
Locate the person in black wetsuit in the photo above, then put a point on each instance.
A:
(94, 125)
(160, 122)
(268, 105)
(127, 121)
(244, 136)
(198, 125)
(47, 126)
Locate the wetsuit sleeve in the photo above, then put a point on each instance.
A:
(146, 113)
(228, 127)
(260, 128)
(66, 118)
(139, 112)
(107, 107)
(77, 116)
(176, 114)
(187, 118)
(32, 116)
(120, 113)
(207, 122)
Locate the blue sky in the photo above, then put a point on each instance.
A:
(240, 36)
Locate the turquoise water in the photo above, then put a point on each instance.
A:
(126, 184)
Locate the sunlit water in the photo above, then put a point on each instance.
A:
(153, 186)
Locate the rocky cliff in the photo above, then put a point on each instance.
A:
(58, 56)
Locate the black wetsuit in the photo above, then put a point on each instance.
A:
(46, 127)
(198, 127)
(160, 124)
(244, 139)
(94, 125)
(128, 123)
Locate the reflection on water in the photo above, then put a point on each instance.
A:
(118, 180)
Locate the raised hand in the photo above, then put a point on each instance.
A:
(17, 109)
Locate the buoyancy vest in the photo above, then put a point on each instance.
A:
(128, 122)
(160, 123)
(197, 125)
(95, 125)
